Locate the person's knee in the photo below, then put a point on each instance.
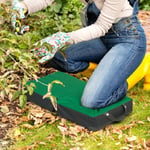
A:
(95, 103)
(76, 66)
(72, 68)
(86, 103)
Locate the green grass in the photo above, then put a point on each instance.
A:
(114, 137)
(40, 135)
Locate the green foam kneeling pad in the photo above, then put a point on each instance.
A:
(69, 102)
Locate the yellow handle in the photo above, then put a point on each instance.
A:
(140, 72)
(147, 76)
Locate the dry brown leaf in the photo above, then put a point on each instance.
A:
(131, 146)
(118, 143)
(4, 120)
(16, 134)
(63, 122)
(48, 115)
(63, 130)
(148, 119)
(148, 143)
(42, 143)
(75, 148)
(140, 122)
(124, 148)
(116, 131)
(131, 139)
(24, 118)
(4, 109)
(50, 137)
(39, 116)
(128, 126)
(75, 130)
(31, 147)
(28, 126)
(46, 95)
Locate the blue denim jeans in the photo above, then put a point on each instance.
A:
(118, 54)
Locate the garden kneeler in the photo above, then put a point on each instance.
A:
(69, 105)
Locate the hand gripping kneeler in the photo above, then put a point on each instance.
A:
(69, 102)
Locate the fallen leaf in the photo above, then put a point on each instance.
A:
(75, 130)
(50, 137)
(148, 143)
(131, 146)
(48, 115)
(4, 119)
(54, 101)
(42, 143)
(38, 114)
(63, 129)
(4, 109)
(63, 122)
(16, 133)
(75, 148)
(131, 139)
(28, 126)
(46, 95)
(118, 143)
(116, 131)
(99, 144)
(148, 119)
(124, 148)
(140, 122)
(24, 118)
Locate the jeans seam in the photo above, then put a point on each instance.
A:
(132, 20)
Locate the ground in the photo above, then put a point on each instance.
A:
(15, 115)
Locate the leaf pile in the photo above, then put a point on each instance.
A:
(17, 64)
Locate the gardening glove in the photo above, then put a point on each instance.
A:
(47, 47)
(19, 11)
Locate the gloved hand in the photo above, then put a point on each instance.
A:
(47, 47)
(19, 11)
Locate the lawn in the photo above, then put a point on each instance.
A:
(132, 133)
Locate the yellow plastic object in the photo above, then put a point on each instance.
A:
(147, 76)
(142, 71)
(89, 70)
(147, 81)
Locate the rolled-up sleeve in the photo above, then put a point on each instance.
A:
(109, 13)
(37, 5)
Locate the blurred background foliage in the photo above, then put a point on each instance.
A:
(144, 4)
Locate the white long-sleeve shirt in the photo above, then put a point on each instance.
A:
(111, 12)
